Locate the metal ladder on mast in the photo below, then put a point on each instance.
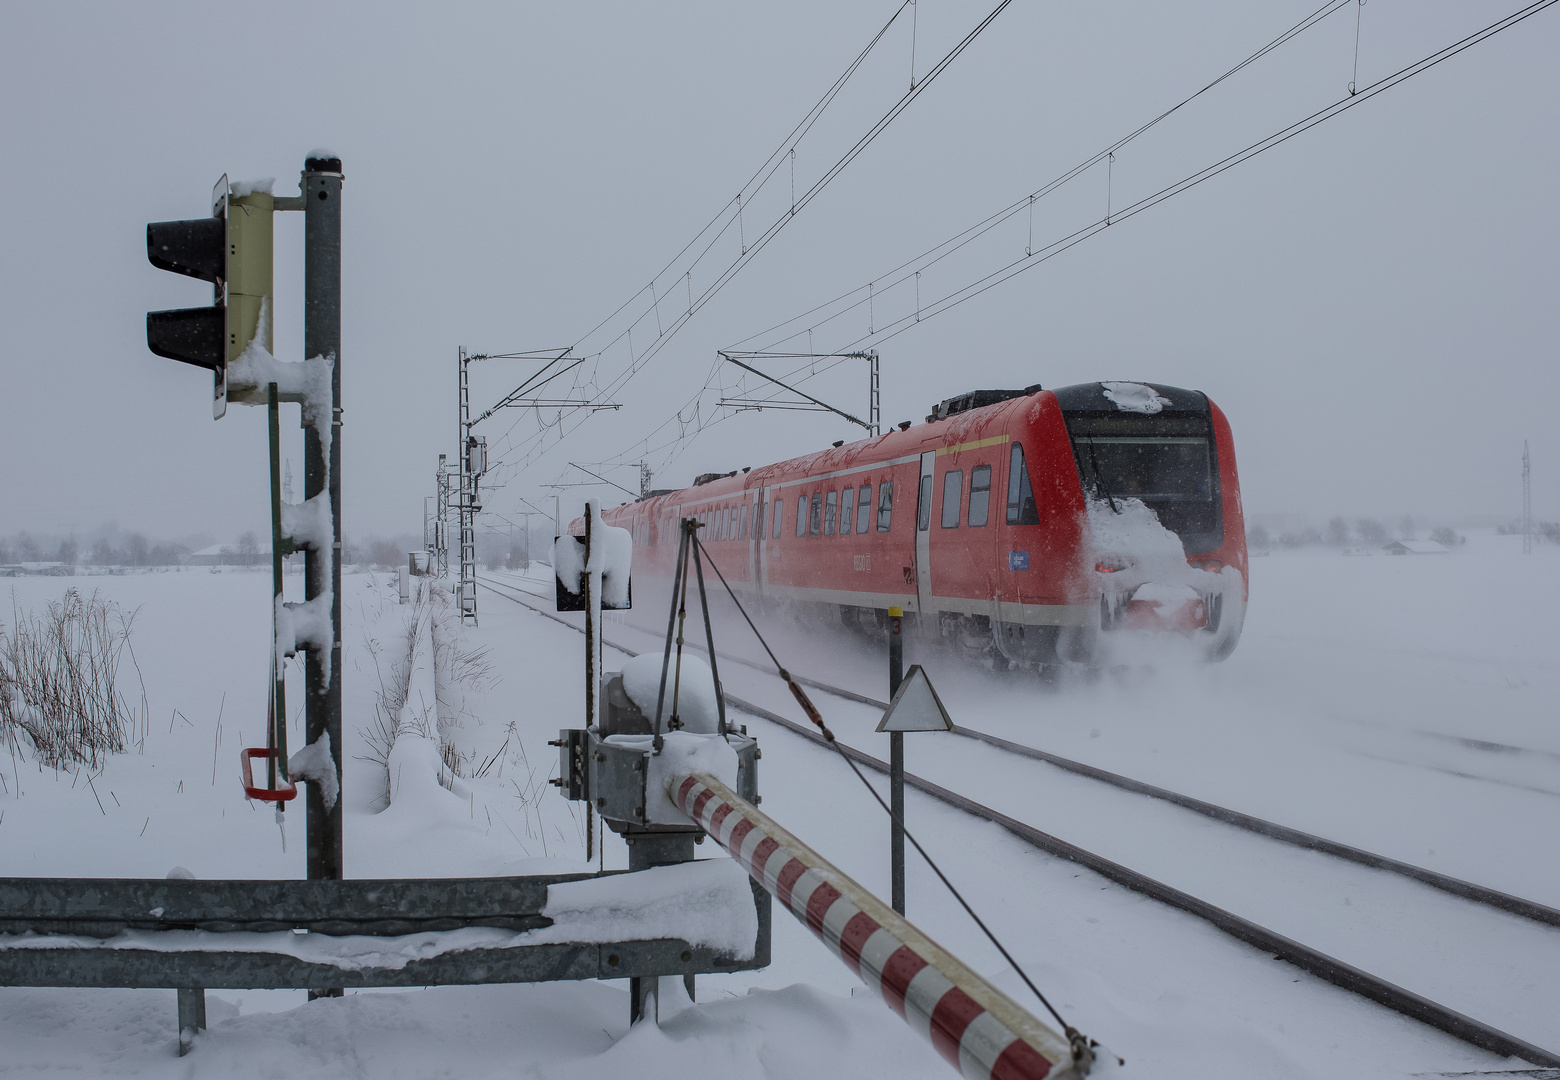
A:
(466, 505)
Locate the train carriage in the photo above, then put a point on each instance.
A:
(1024, 524)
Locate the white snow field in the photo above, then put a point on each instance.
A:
(1404, 705)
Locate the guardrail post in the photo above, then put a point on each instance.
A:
(192, 1016)
(647, 849)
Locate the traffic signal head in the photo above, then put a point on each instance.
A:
(232, 250)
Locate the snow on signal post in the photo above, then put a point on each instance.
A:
(916, 706)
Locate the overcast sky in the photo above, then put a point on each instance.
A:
(1373, 303)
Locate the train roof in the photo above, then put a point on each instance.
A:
(1102, 399)
(1112, 396)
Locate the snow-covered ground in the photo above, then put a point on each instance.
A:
(1405, 705)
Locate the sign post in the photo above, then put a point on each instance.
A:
(914, 706)
(896, 762)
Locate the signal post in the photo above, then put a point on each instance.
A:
(233, 249)
(321, 191)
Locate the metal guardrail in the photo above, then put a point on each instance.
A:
(72, 909)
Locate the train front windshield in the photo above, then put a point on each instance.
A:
(1151, 468)
(1174, 472)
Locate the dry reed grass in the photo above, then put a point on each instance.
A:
(59, 682)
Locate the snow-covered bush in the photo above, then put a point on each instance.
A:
(59, 690)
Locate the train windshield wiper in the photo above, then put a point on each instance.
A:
(1099, 479)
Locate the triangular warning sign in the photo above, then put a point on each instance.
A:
(916, 706)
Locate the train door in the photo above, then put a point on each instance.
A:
(758, 572)
(923, 534)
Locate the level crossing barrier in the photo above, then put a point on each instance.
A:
(978, 1029)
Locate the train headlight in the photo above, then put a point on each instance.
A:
(1110, 564)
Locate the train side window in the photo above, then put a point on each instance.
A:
(980, 494)
(744, 521)
(864, 508)
(953, 495)
(815, 514)
(1021, 509)
(830, 506)
(801, 515)
(777, 515)
(885, 505)
(923, 505)
(847, 510)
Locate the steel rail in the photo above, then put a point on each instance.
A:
(1328, 968)
(1467, 890)
(1325, 967)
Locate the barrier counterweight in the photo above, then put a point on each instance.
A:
(979, 1030)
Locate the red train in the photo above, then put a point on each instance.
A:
(1025, 524)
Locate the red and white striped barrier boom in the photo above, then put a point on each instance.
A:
(976, 1027)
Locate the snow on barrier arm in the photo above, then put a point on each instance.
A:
(978, 1029)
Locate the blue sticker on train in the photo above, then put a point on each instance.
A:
(1018, 560)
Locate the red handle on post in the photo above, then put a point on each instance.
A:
(265, 753)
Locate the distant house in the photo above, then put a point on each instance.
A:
(227, 555)
(45, 569)
(1415, 547)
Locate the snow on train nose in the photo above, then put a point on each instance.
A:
(1156, 606)
(1128, 602)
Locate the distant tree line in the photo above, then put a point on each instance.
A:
(1543, 530)
(133, 550)
(496, 550)
(1342, 533)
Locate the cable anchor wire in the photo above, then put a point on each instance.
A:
(1359, 8)
(1081, 1046)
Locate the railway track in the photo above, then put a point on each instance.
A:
(1311, 960)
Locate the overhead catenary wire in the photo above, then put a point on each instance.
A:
(750, 251)
(690, 426)
(786, 147)
(1294, 31)
(645, 446)
(1192, 180)
(1034, 256)
(785, 151)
